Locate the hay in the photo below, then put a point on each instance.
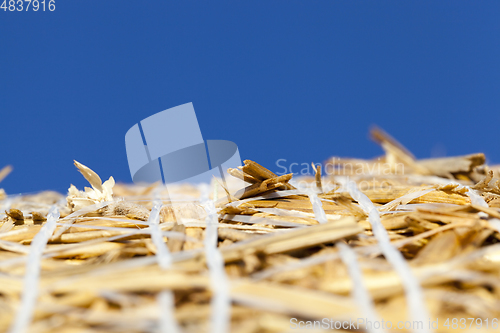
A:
(410, 240)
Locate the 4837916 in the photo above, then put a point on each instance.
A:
(28, 5)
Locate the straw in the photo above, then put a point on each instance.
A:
(312, 252)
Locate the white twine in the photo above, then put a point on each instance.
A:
(414, 295)
(348, 257)
(319, 212)
(359, 291)
(475, 198)
(30, 285)
(473, 195)
(162, 253)
(167, 322)
(221, 301)
(478, 200)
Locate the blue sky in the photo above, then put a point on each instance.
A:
(295, 80)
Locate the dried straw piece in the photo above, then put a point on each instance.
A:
(5, 172)
(89, 174)
(243, 176)
(396, 151)
(317, 177)
(15, 214)
(260, 173)
(38, 217)
(265, 186)
(450, 166)
(291, 300)
(294, 239)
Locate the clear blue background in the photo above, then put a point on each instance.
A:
(299, 80)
